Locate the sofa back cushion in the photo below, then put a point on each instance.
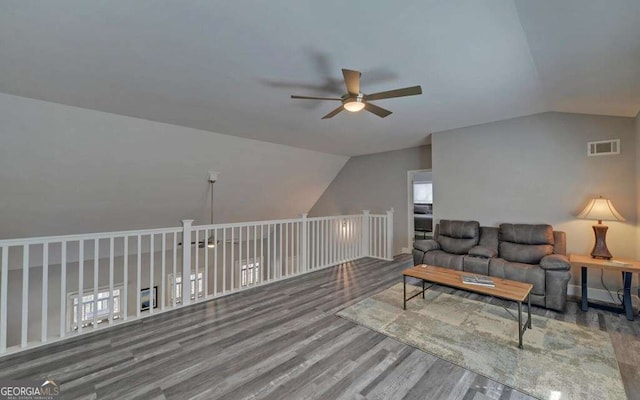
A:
(458, 237)
(525, 243)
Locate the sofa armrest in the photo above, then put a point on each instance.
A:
(426, 245)
(484, 252)
(555, 262)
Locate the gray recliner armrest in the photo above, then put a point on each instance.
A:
(426, 245)
(484, 252)
(555, 262)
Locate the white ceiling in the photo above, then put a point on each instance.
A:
(230, 66)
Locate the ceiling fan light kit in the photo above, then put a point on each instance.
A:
(354, 104)
(355, 101)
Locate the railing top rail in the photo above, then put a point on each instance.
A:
(108, 235)
(335, 217)
(86, 236)
(249, 223)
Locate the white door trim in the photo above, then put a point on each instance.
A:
(410, 231)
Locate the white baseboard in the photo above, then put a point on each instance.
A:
(598, 294)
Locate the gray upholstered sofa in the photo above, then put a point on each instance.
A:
(534, 254)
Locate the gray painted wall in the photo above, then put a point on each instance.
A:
(535, 169)
(69, 170)
(375, 182)
(637, 121)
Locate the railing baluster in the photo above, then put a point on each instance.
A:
(232, 269)
(280, 263)
(4, 276)
(333, 240)
(269, 277)
(255, 253)
(246, 256)
(286, 250)
(275, 239)
(45, 292)
(152, 263)
(63, 288)
(80, 306)
(96, 258)
(298, 269)
(224, 260)
(384, 238)
(163, 273)
(262, 278)
(197, 266)
(206, 263)
(125, 279)
(215, 261)
(111, 239)
(25, 295)
(138, 275)
(174, 277)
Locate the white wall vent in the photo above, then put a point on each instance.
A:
(603, 147)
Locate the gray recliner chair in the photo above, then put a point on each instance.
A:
(534, 254)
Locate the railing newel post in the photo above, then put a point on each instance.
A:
(186, 261)
(390, 234)
(304, 244)
(366, 219)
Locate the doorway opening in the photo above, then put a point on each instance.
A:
(420, 205)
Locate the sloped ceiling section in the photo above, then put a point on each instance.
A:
(230, 66)
(67, 170)
(587, 53)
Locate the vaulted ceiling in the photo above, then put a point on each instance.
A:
(230, 66)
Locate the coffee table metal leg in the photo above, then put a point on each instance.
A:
(628, 305)
(529, 308)
(423, 288)
(520, 324)
(404, 292)
(584, 305)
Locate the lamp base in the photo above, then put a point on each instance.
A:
(600, 249)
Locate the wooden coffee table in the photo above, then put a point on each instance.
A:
(504, 289)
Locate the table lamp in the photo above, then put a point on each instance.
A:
(600, 209)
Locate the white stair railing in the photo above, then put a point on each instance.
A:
(56, 287)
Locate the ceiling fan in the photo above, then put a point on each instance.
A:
(354, 100)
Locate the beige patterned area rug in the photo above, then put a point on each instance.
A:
(559, 361)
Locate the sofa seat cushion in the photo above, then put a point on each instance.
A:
(441, 258)
(533, 274)
(458, 237)
(476, 265)
(481, 251)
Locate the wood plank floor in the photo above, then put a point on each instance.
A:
(282, 341)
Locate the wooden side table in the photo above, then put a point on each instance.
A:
(624, 265)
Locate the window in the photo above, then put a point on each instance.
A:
(91, 306)
(178, 284)
(249, 272)
(423, 193)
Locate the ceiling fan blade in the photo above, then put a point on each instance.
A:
(379, 111)
(333, 113)
(315, 98)
(352, 80)
(408, 91)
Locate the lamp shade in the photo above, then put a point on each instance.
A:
(600, 209)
